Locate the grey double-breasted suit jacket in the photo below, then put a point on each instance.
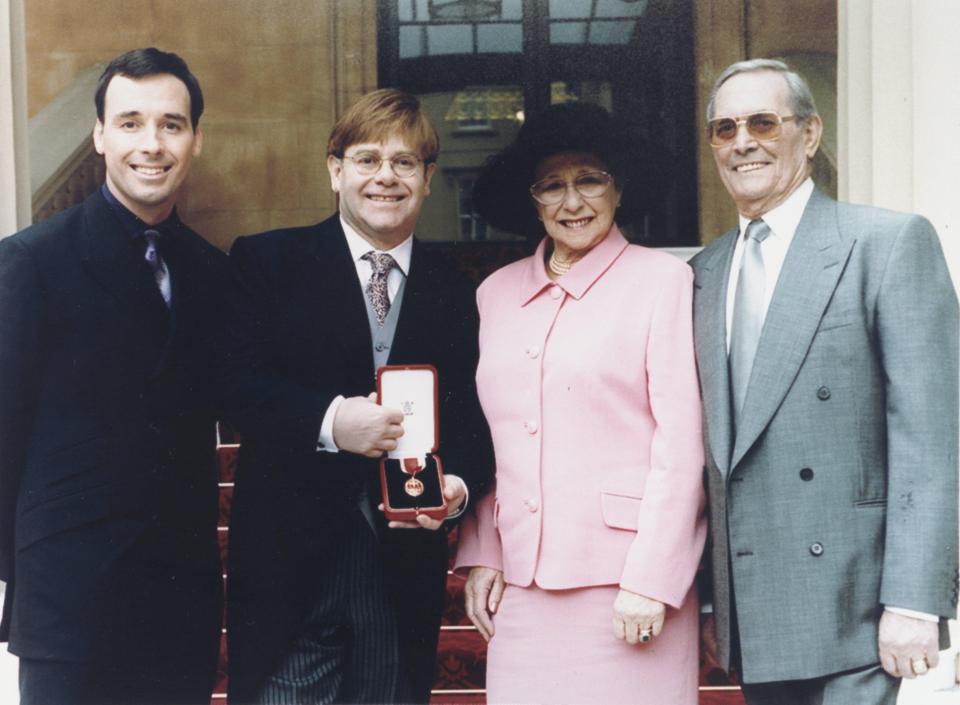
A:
(837, 495)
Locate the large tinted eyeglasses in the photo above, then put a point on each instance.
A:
(368, 163)
(551, 191)
(764, 126)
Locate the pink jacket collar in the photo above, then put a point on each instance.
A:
(581, 277)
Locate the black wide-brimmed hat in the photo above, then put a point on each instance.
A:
(501, 194)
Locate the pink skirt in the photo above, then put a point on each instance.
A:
(557, 646)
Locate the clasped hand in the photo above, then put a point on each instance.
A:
(364, 427)
(633, 613)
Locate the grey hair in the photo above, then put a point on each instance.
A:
(801, 99)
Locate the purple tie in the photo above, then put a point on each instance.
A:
(161, 274)
(376, 288)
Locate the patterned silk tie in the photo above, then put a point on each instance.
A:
(160, 272)
(376, 288)
(747, 313)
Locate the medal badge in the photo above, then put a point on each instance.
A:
(413, 486)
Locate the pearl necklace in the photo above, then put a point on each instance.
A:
(558, 266)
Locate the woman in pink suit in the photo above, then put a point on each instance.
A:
(582, 560)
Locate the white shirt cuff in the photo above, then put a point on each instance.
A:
(463, 505)
(925, 616)
(325, 440)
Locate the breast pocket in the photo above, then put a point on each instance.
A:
(839, 319)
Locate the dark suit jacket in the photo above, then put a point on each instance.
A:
(838, 494)
(108, 485)
(297, 336)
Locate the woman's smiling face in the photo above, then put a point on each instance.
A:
(576, 224)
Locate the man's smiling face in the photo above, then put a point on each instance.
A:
(381, 207)
(147, 141)
(760, 175)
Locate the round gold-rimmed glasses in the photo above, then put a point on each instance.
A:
(369, 163)
(551, 191)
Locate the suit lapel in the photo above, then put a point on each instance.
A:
(108, 255)
(710, 328)
(407, 337)
(810, 273)
(341, 292)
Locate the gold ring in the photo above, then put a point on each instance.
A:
(919, 665)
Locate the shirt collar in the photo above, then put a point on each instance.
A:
(359, 247)
(784, 219)
(581, 276)
(132, 224)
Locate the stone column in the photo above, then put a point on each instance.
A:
(14, 173)
(899, 116)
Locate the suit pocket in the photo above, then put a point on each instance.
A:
(71, 511)
(867, 503)
(838, 319)
(620, 508)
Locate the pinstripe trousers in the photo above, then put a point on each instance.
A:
(347, 650)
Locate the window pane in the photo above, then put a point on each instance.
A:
(405, 10)
(410, 42)
(499, 38)
(568, 32)
(512, 10)
(611, 32)
(567, 9)
(619, 8)
(449, 39)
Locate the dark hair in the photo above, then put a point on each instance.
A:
(501, 193)
(141, 63)
(376, 116)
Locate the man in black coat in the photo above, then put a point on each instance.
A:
(108, 485)
(328, 602)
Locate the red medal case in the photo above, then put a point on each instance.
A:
(411, 477)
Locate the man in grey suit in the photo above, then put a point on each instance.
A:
(827, 349)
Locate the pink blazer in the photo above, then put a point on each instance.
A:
(590, 389)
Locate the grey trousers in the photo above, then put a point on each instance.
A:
(865, 686)
(346, 651)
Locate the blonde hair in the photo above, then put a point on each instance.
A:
(377, 116)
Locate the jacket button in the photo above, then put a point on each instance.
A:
(532, 505)
(555, 292)
(816, 549)
(806, 474)
(823, 393)
(533, 351)
(531, 426)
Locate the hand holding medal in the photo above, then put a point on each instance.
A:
(411, 475)
(455, 494)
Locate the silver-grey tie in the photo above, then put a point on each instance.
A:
(747, 313)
